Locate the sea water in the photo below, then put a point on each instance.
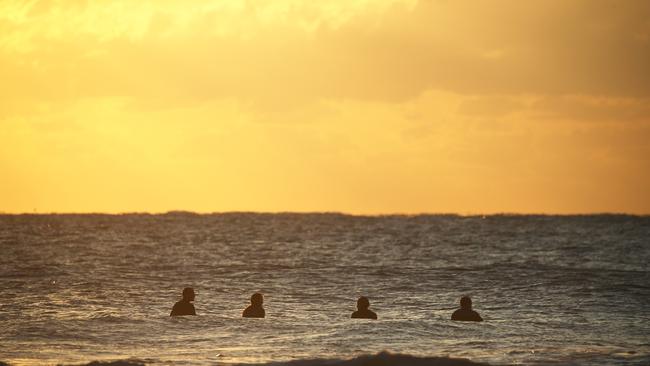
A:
(552, 289)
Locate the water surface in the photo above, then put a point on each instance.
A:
(552, 289)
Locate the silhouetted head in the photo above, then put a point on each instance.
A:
(363, 303)
(257, 299)
(188, 294)
(466, 303)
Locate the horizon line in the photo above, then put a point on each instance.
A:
(207, 213)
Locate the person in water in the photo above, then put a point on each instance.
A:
(465, 313)
(362, 310)
(185, 306)
(255, 309)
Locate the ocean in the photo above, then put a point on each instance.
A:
(552, 289)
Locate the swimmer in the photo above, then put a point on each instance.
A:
(465, 313)
(362, 310)
(255, 309)
(185, 306)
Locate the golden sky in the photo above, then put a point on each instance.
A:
(357, 106)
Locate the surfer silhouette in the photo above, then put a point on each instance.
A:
(362, 310)
(184, 306)
(255, 309)
(465, 313)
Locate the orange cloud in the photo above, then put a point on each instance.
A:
(356, 106)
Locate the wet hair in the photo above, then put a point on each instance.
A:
(363, 303)
(188, 292)
(465, 302)
(257, 299)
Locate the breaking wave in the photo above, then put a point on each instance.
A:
(381, 359)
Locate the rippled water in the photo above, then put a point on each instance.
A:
(567, 289)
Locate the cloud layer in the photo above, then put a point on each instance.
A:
(358, 106)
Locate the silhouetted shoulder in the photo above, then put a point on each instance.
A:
(183, 308)
(466, 315)
(254, 312)
(364, 314)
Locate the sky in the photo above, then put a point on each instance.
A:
(355, 106)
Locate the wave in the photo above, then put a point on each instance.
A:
(115, 363)
(102, 363)
(380, 359)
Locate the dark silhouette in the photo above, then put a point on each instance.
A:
(185, 306)
(362, 310)
(465, 313)
(255, 309)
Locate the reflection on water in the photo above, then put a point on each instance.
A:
(77, 288)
